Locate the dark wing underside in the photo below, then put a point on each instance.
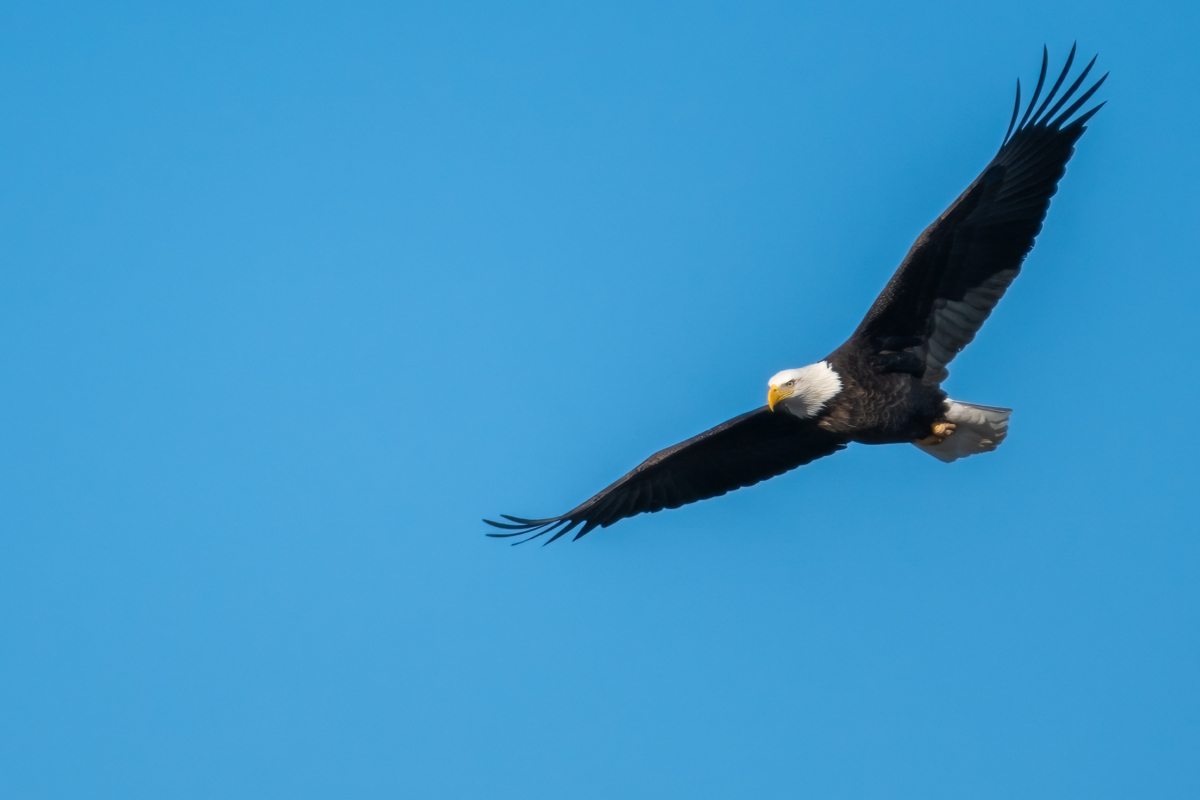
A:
(961, 265)
(737, 453)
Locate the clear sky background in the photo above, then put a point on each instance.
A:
(292, 295)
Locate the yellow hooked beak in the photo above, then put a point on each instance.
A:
(774, 395)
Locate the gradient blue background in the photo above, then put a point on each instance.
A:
(293, 295)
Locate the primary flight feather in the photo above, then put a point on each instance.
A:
(883, 385)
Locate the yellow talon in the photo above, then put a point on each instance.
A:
(941, 432)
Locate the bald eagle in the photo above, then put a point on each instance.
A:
(883, 385)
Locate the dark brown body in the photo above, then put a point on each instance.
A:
(877, 407)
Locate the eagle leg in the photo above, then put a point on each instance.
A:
(941, 432)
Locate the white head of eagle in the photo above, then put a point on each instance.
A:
(805, 391)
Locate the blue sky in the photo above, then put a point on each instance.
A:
(293, 295)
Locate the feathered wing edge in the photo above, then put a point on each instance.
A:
(738, 453)
(1047, 119)
(1021, 161)
(953, 329)
(538, 527)
(602, 510)
(596, 512)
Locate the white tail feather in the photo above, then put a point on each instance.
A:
(979, 429)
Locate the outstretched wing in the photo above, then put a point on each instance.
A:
(961, 265)
(741, 452)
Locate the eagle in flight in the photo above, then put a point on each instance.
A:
(883, 385)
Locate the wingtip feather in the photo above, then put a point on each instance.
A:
(1016, 110)
(1083, 118)
(1038, 90)
(505, 525)
(1083, 98)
